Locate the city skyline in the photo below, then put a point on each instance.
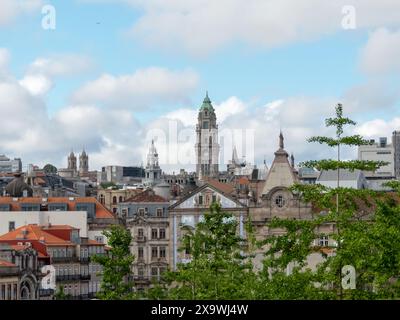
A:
(105, 80)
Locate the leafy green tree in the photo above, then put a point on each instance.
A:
(49, 168)
(60, 294)
(106, 185)
(219, 267)
(117, 265)
(351, 212)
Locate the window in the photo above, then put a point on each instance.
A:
(11, 226)
(280, 201)
(214, 198)
(187, 247)
(102, 199)
(140, 252)
(205, 125)
(162, 233)
(159, 212)
(154, 272)
(140, 233)
(200, 199)
(154, 252)
(120, 198)
(99, 239)
(154, 233)
(323, 241)
(141, 212)
(162, 252)
(141, 272)
(114, 200)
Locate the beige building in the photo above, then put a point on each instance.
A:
(146, 216)
(190, 209)
(111, 198)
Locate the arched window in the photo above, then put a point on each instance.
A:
(120, 198)
(102, 199)
(280, 201)
(114, 200)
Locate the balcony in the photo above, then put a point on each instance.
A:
(140, 239)
(68, 278)
(46, 292)
(84, 260)
(85, 277)
(64, 259)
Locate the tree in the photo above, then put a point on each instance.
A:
(49, 168)
(117, 265)
(218, 269)
(356, 217)
(60, 294)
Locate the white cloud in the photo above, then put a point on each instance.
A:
(201, 27)
(10, 9)
(140, 89)
(41, 73)
(60, 65)
(378, 128)
(381, 53)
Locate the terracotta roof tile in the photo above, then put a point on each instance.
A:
(4, 263)
(33, 232)
(101, 211)
(224, 187)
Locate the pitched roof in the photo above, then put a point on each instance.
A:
(281, 173)
(5, 263)
(146, 196)
(33, 232)
(213, 186)
(224, 187)
(101, 211)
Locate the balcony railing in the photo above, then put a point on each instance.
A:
(85, 277)
(68, 277)
(140, 239)
(84, 260)
(64, 259)
(46, 292)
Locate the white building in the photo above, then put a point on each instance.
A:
(11, 220)
(8, 165)
(347, 179)
(378, 151)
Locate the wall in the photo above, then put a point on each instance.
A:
(76, 219)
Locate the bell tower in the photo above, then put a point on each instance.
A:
(207, 147)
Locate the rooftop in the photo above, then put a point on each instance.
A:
(15, 204)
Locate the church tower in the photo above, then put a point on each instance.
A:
(83, 163)
(153, 170)
(72, 162)
(207, 147)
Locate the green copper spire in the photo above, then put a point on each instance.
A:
(207, 104)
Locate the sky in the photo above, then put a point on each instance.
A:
(114, 74)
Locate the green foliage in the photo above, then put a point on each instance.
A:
(106, 185)
(218, 269)
(355, 140)
(60, 294)
(49, 168)
(117, 265)
(366, 227)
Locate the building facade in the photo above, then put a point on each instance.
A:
(65, 254)
(190, 210)
(7, 165)
(146, 216)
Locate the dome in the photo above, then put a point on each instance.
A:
(17, 187)
(207, 104)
